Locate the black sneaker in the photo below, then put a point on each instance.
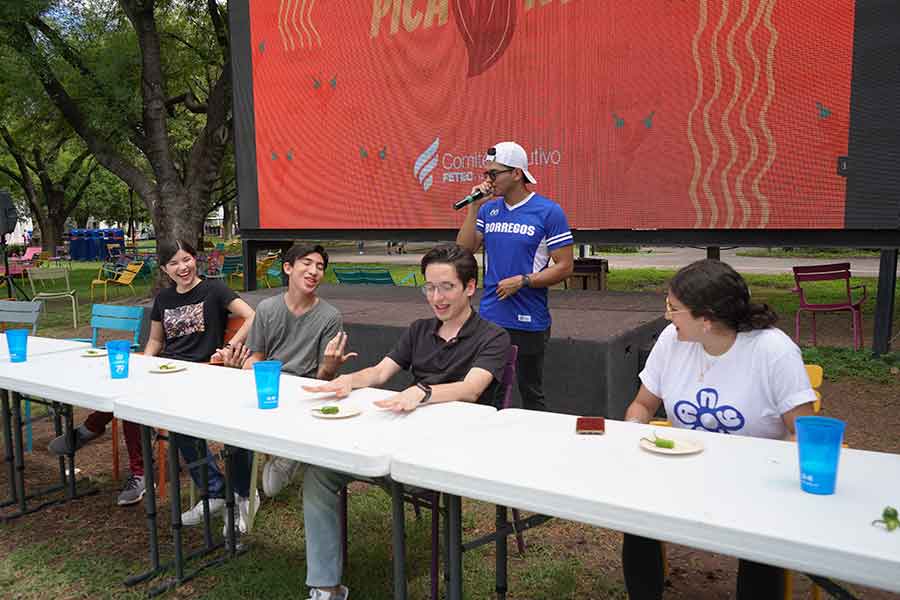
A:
(133, 491)
(59, 445)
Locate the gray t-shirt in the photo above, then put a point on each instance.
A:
(298, 342)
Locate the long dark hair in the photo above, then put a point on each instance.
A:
(712, 289)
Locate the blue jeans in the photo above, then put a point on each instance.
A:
(191, 448)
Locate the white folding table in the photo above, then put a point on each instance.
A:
(48, 362)
(741, 496)
(219, 403)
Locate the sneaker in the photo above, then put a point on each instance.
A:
(277, 473)
(59, 445)
(133, 491)
(317, 594)
(242, 514)
(194, 516)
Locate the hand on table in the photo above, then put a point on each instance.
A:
(406, 401)
(340, 387)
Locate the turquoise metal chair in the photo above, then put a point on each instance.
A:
(22, 313)
(116, 318)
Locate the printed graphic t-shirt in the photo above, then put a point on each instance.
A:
(744, 391)
(518, 241)
(194, 322)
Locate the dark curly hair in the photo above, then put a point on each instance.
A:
(712, 289)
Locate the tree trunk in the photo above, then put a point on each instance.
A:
(228, 220)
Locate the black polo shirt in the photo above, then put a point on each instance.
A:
(433, 360)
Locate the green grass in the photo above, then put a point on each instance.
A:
(810, 252)
(845, 362)
(90, 564)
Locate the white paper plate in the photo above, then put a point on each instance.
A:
(682, 445)
(343, 413)
(177, 369)
(94, 353)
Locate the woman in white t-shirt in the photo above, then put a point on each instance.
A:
(720, 366)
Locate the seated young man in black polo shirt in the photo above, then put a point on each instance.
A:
(454, 356)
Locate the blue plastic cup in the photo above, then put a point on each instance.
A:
(17, 340)
(268, 376)
(118, 352)
(819, 444)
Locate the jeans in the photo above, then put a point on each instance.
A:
(642, 563)
(530, 366)
(97, 421)
(321, 523)
(191, 449)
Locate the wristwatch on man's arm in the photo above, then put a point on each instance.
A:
(425, 388)
(526, 281)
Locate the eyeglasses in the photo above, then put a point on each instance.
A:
(445, 288)
(671, 311)
(492, 175)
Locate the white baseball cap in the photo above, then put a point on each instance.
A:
(512, 155)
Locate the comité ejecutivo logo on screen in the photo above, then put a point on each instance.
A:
(457, 168)
(464, 168)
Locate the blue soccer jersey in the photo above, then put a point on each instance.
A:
(518, 241)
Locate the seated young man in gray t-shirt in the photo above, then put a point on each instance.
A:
(301, 330)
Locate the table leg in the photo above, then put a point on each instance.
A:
(149, 508)
(8, 454)
(19, 453)
(399, 542)
(58, 430)
(70, 455)
(228, 455)
(204, 495)
(175, 500)
(502, 553)
(454, 560)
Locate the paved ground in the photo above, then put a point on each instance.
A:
(661, 258)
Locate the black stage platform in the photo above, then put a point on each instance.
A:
(599, 339)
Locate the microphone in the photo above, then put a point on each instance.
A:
(478, 195)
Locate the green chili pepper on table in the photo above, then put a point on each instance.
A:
(329, 410)
(661, 442)
(889, 518)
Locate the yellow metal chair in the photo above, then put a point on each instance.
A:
(816, 375)
(123, 278)
(262, 268)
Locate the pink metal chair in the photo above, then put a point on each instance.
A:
(831, 272)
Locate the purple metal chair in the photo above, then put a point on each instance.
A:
(430, 499)
(831, 272)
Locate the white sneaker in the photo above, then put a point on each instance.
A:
(194, 516)
(242, 514)
(277, 473)
(317, 594)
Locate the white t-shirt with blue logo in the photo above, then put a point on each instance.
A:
(744, 391)
(518, 240)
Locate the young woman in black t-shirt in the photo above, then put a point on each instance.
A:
(188, 323)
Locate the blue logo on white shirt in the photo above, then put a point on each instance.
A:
(707, 414)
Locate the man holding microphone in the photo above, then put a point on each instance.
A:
(521, 231)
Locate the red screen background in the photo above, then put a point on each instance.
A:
(661, 114)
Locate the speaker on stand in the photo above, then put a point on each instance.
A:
(9, 216)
